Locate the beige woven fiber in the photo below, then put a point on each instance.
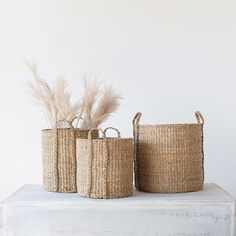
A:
(169, 158)
(105, 166)
(59, 158)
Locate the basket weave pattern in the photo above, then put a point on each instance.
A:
(59, 158)
(105, 167)
(169, 158)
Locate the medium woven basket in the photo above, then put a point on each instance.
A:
(59, 158)
(169, 158)
(105, 166)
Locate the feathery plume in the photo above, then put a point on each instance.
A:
(95, 106)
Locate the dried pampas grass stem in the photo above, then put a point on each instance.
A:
(107, 104)
(98, 103)
(95, 106)
(55, 102)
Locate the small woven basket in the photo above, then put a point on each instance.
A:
(59, 158)
(105, 166)
(169, 158)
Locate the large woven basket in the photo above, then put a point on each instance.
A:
(59, 158)
(169, 158)
(105, 166)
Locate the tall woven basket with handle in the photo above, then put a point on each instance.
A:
(169, 158)
(105, 166)
(59, 158)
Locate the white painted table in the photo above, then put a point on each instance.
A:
(31, 211)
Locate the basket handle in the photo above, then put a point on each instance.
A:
(136, 142)
(91, 160)
(199, 117)
(91, 130)
(66, 121)
(117, 131)
(137, 118)
(90, 169)
(56, 145)
(70, 123)
(78, 118)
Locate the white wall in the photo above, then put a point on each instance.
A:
(169, 58)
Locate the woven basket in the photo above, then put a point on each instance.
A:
(169, 158)
(59, 158)
(105, 166)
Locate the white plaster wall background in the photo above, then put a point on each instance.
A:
(169, 58)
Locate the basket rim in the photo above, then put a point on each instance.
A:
(108, 138)
(64, 129)
(171, 125)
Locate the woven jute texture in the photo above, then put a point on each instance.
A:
(169, 158)
(59, 158)
(105, 166)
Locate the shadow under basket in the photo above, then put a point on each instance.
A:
(105, 166)
(59, 158)
(169, 158)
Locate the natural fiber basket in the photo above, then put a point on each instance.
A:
(59, 158)
(169, 158)
(105, 166)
